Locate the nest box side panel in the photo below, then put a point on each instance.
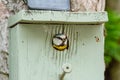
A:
(13, 56)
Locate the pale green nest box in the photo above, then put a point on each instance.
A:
(54, 45)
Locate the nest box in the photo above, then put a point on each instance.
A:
(56, 45)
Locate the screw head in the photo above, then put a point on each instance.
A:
(67, 68)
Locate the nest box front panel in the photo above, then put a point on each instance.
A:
(60, 52)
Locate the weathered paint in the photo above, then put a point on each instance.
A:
(63, 17)
(32, 56)
(13, 56)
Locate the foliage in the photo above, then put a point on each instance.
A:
(112, 41)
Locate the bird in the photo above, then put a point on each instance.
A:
(60, 42)
(87, 5)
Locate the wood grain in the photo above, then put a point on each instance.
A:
(38, 60)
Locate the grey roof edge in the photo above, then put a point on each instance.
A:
(38, 16)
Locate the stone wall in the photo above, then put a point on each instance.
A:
(3, 42)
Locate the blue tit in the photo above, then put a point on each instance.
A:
(60, 42)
